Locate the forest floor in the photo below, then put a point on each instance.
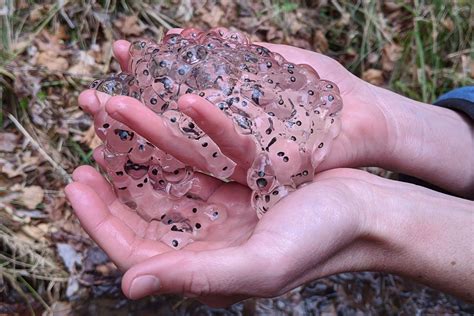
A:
(51, 50)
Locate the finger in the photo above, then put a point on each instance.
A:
(91, 101)
(111, 234)
(146, 123)
(121, 52)
(174, 31)
(90, 177)
(220, 128)
(229, 271)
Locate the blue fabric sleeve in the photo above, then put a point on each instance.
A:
(460, 99)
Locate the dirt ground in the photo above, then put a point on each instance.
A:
(51, 50)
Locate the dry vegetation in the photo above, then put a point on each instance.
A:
(51, 50)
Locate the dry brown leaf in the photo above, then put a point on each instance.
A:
(448, 24)
(53, 62)
(32, 196)
(37, 12)
(301, 43)
(84, 64)
(129, 25)
(320, 42)
(391, 53)
(52, 43)
(61, 32)
(373, 76)
(52, 52)
(91, 139)
(33, 233)
(8, 142)
(212, 18)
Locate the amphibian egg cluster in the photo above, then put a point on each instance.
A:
(290, 113)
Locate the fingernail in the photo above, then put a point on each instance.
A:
(143, 285)
(102, 97)
(89, 102)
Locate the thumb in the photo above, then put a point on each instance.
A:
(228, 271)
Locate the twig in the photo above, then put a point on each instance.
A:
(43, 153)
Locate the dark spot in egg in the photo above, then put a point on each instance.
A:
(261, 182)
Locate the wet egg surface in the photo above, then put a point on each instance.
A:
(290, 113)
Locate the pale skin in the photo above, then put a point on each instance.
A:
(346, 220)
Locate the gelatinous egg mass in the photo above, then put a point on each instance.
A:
(288, 110)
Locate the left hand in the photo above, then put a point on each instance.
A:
(309, 234)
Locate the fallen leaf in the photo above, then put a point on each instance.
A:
(51, 61)
(391, 53)
(60, 309)
(185, 10)
(320, 42)
(33, 233)
(448, 24)
(212, 18)
(8, 142)
(91, 139)
(129, 25)
(373, 76)
(70, 256)
(83, 65)
(32, 196)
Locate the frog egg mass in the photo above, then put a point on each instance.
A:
(290, 113)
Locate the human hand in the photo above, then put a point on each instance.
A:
(241, 149)
(347, 220)
(129, 239)
(379, 128)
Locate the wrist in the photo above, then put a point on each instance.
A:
(428, 142)
(425, 236)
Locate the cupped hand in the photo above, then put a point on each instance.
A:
(129, 239)
(305, 236)
(362, 140)
(316, 231)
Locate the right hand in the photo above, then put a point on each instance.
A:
(362, 138)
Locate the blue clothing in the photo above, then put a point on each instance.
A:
(460, 99)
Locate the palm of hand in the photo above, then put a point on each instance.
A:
(129, 239)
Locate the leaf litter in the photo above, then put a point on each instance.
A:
(53, 266)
